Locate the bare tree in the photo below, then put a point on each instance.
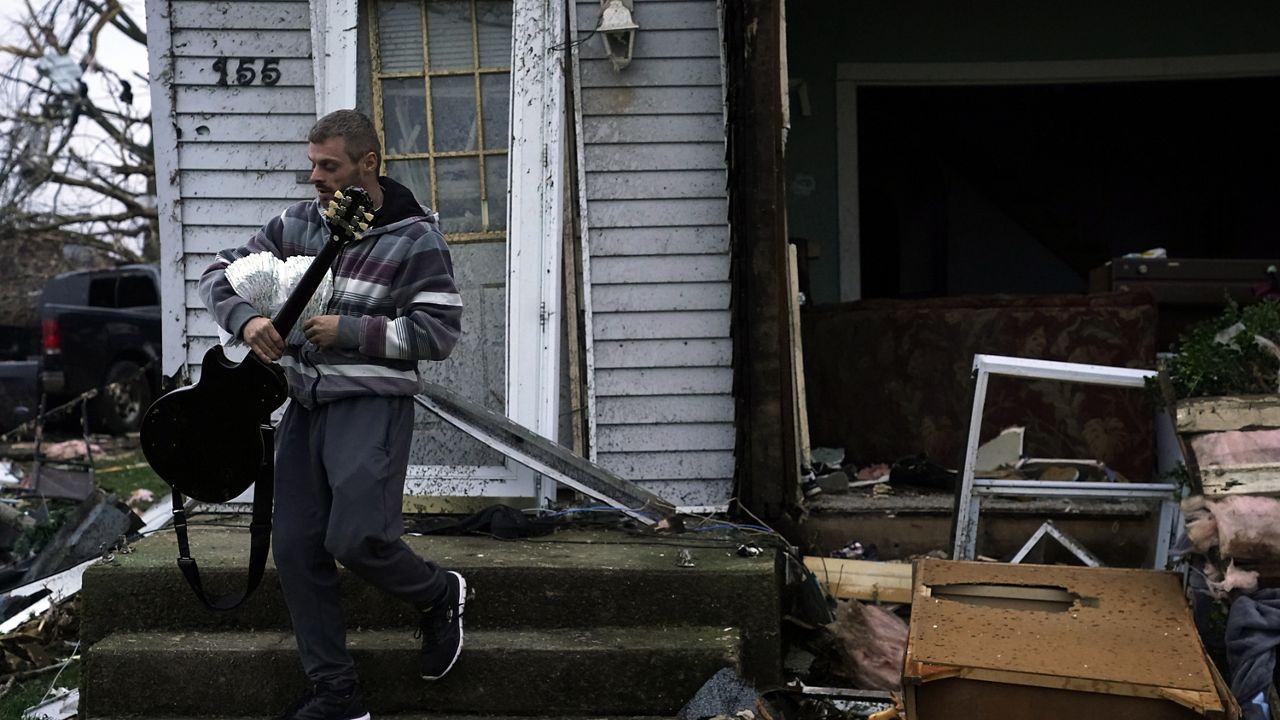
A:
(76, 164)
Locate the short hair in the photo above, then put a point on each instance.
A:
(354, 127)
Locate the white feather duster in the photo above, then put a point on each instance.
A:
(265, 282)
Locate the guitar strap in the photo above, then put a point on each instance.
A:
(259, 534)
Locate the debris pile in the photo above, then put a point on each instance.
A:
(53, 514)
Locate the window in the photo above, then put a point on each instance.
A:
(441, 96)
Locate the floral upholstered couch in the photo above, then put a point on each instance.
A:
(888, 379)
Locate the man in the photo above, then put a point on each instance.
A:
(342, 447)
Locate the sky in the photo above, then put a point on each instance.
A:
(124, 56)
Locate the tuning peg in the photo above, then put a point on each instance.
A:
(338, 194)
(368, 216)
(364, 226)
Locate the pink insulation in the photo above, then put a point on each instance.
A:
(1237, 447)
(1242, 526)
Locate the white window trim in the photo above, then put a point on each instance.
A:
(534, 203)
(173, 291)
(535, 220)
(334, 34)
(851, 76)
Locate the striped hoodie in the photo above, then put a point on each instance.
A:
(393, 290)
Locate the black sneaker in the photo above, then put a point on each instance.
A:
(441, 629)
(324, 702)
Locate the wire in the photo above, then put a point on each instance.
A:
(569, 45)
(732, 526)
(74, 653)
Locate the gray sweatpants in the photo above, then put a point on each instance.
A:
(340, 471)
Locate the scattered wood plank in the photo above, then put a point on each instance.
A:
(1245, 479)
(863, 579)
(1216, 414)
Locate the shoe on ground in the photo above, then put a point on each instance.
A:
(440, 628)
(326, 702)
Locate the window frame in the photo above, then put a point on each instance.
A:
(483, 154)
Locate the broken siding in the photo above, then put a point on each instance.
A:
(657, 216)
(233, 142)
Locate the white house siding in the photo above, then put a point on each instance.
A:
(657, 220)
(240, 152)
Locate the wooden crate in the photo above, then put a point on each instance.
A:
(994, 641)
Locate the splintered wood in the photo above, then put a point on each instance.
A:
(863, 579)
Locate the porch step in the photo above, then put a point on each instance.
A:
(578, 672)
(412, 716)
(572, 579)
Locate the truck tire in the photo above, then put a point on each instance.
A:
(119, 408)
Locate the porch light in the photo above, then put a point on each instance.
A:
(618, 29)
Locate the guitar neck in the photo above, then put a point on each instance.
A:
(287, 316)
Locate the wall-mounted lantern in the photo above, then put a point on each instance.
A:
(618, 29)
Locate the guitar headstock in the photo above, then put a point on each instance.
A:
(349, 214)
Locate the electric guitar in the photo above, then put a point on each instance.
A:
(207, 440)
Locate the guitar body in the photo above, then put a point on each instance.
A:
(205, 440)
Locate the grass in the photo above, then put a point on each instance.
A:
(126, 473)
(32, 691)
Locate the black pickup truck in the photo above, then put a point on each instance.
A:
(101, 329)
(19, 367)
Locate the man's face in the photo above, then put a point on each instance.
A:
(332, 169)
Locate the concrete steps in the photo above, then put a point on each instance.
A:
(504, 672)
(578, 624)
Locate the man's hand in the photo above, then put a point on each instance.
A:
(262, 337)
(322, 330)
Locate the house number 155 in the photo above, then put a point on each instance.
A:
(245, 73)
